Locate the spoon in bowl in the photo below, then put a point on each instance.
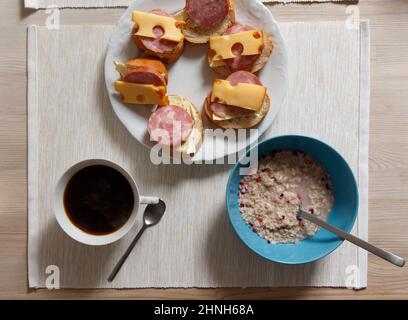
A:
(390, 257)
(152, 215)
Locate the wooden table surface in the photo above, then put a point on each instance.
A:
(388, 159)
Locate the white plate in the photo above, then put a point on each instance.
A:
(191, 77)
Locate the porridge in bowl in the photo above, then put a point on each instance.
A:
(285, 181)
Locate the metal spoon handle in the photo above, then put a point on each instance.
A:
(126, 254)
(394, 259)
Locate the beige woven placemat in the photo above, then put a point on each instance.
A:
(70, 119)
(42, 4)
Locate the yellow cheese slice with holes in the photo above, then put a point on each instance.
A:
(245, 95)
(147, 21)
(252, 42)
(135, 93)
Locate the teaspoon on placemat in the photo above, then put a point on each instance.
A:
(152, 215)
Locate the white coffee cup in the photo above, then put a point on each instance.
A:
(76, 233)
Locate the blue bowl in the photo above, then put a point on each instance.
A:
(342, 215)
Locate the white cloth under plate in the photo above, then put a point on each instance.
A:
(70, 119)
(42, 4)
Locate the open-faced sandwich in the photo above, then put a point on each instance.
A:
(177, 126)
(206, 18)
(142, 81)
(159, 34)
(241, 47)
(238, 102)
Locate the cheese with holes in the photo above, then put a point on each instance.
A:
(245, 95)
(251, 41)
(135, 93)
(147, 21)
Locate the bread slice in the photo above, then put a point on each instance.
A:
(166, 57)
(197, 35)
(244, 122)
(146, 61)
(195, 139)
(226, 70)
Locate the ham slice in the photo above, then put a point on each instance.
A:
(207, 14)
(170, 125)
(243, 77)
(226, 111)
(145, 75)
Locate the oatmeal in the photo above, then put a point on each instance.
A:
(285, 180)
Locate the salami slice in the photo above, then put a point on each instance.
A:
(170, 125)
(158, 45)
(228, 111)
(240, 62)
(145, 75)
(207, 14)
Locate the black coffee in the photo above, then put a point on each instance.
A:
(98, 200)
